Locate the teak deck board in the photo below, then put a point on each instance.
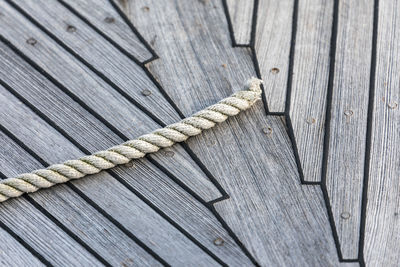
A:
(309, 176)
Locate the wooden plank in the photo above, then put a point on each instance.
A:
(382, 229)
(78, 124)
(110, 195)
(39, 231)
(76, 214)
(348, 121)
(310, 83)
(279, 221)
(103, 16)
(13, 253)
(44, 235)
(272, 46)
(128, 120)
(98, 53)
(241, 16)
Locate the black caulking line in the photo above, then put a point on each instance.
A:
(79, 58)
(369, 134)
(287, 109)
(120, 91)
(96, 115)
(135, 31)
(102, 34)
(24, 244)
(44, 211)
(84, 150)
(289, 83)
(327, 133)
(87, 152)
(69, 184)
(229, 21)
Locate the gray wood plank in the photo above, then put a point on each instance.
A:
(43, 235)
(13, 253)
(124, 206)
(310, 83)
(103, 16)
(89, 88)
(241, 15)
(98, 52)
(382, 229)
(39, 232)
(272, 46)
(190, 214)
(76, 214)
(348, 125)
(279, 221)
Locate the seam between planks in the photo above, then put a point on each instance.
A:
(371, 99)
(115, 87)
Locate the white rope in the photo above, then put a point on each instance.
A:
(133, 149)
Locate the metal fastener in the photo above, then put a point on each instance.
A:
(219, 241)
(31, 41)
(146, 92)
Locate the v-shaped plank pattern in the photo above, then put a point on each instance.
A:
(94, 90)
(250, 155)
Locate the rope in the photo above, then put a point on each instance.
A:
(133, 149)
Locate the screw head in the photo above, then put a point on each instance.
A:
(348, 113)
(267, 130)
(146, 92)
(71, 28)
(310, 120)
(219, 242)
(345, 215)
(31, 41)
(109, 20)
(274, 70)
(393, 105)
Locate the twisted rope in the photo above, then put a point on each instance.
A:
(133, 149)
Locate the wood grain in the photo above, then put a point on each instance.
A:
(97, 95)
(241, 15)
(310, 83)
(272, 46)
(76, 214)
(13, 253)
(382, 229)
(81, 126)
(110, 195)
(97, 51)
(271, 213)
(348, 123)
(104, 17)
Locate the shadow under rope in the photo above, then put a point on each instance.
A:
(209, 204)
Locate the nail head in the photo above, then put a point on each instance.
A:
(219, 241)
(274, 70)
(345, 215)
(146, 92)
(31, 41)
(393, 105)
(267, 130)
(109, 20)
(71, 28)
(348, 113)
(311, 120)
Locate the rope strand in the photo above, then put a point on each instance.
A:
(133, 149)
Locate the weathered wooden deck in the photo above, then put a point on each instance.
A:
(310, 176)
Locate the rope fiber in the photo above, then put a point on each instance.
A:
(133, 149)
